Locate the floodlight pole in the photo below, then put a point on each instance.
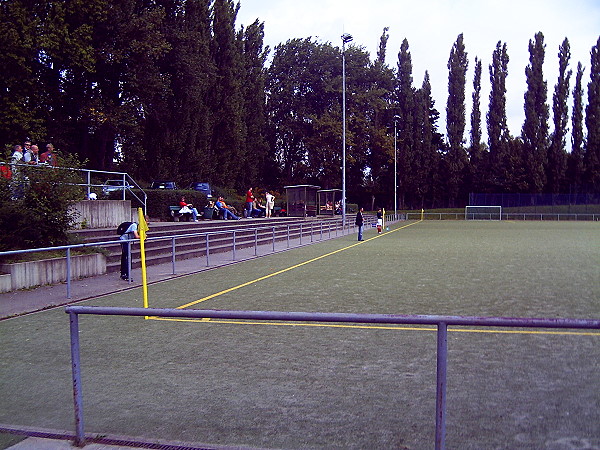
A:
(395, 166)
(345, 39)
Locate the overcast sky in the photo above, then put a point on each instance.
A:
(432, 26)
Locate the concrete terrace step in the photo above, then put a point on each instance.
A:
(190, 241)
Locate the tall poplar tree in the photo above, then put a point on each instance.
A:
(227, 103)
(535, 127)
(498, 134)
(557, 153)
(405, 108)
(575, 162)
(258, 160)
(592, 121)
(476, 148)
(456, 158)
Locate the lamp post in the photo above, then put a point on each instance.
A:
(345, 39)
(396, 117)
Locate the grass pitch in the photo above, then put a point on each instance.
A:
(317, 386)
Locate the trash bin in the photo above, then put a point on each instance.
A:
(208, 212)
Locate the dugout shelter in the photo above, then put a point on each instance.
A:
(301, 200)
(329, 202)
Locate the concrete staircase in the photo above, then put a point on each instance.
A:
(189, 238)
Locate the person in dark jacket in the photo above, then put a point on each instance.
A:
(359, 223)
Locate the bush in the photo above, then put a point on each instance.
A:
(35, 205)
(159, 200)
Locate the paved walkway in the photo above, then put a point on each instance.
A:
(32, 300)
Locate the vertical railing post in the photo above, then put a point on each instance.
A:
(233, 245)
(300, 233)
(256, 242)
(207, 251)
(311, 231)
(440, 405)
(288, 235)
(273, 238)
(76, 371)
(69, 272)
(173, 254)
(129, 261)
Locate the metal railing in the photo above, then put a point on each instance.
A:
(129, 183)
(442, 323)
(505, 216)
(309, 230)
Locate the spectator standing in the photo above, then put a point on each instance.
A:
(32, 156)
(360, 223)
(130, 233)
(249, 201)
(379, 220)
(17, 155)
(48, 156)
(26, 147)
(270, 204)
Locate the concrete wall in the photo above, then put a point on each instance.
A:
(50, 271)
(103, 213)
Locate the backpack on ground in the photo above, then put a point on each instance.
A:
(121, 229)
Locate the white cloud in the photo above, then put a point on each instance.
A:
(432, 26)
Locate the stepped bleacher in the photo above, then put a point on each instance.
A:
(189, 238)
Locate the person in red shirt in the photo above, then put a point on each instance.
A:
(249, 201)
(187, 208)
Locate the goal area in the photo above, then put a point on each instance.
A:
(483, 213)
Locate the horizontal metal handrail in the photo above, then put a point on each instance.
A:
(205, 235)
(442, 323)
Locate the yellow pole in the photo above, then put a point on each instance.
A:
(422, 213)
(383, 219)
(142, 229)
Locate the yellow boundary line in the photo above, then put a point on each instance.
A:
(374, 327)
(279, 272)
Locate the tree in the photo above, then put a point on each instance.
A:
(535, 127)
(575, 162)
(426, 163)
(557, 153)
(456, 158)
(498, 134)
(259, 162)
(229, 131)
(592, 121)
(304, 108)
(405, 102)
(477, 155)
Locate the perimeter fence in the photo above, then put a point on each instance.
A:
(208, 243)
(442, 323)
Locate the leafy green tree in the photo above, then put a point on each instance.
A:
(456, 158)
(575, 161)
(304, 108)
(592, 121)
(535, 127)
(557, 153)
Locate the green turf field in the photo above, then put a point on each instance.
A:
(318, 386)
